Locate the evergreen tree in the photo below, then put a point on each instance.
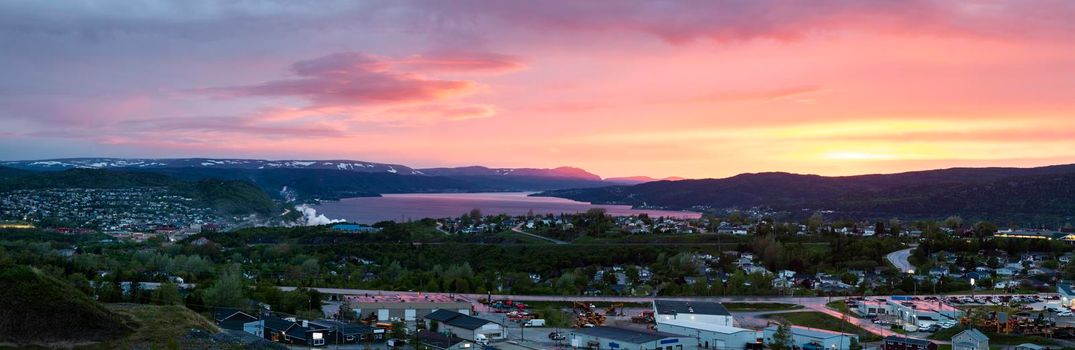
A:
(782, 338)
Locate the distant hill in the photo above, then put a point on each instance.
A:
(261, 164)
(230, 196)
(7, 172)
(39, 309)
(332, 179)
(634, 180)
(1024, 192)
(335, 184)
(561, 172)
(154, 163)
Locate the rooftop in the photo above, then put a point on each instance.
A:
(456, 319)
(634, 336)
(703, 326)
(812, 332)
(905, 340)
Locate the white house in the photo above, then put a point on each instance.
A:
(971, 339)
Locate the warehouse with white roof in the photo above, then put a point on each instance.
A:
(709, 323)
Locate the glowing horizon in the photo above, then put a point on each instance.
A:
(693, 89)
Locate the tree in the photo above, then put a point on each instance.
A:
(781, 338)
(167, 294)
(228, 290)
(346, 313)
(398, 330)
(854, 344)
(953, 222)
(815, 221)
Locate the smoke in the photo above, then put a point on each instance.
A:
(311, 218)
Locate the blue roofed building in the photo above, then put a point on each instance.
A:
(355, 228)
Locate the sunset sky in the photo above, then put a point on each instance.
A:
(659, 88)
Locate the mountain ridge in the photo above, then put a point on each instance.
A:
(996, 191)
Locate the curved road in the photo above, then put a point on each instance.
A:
(899, 259)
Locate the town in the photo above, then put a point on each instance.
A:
(533, 281)
(144, 210)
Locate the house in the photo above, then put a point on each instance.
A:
(438, 341)
(465, 326)
(288, 331)
(257, 328)
(893, 342)
(938, 272)
(970, 339)
(1067, 294)
(605, 337)
(698, 311)
(342, 332)
(814, 338)
(1005, 271)
(234, 319)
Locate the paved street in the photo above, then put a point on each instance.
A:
(899, 259)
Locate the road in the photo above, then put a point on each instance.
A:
(519, 229)
(899, 259)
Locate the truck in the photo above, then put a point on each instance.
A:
(536, 322)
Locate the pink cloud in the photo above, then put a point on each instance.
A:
(462, 61)
(350, 79)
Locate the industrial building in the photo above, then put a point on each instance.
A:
(814, 338)
(615, 338)
(712, 336)
(921, 313)
(696, 311)
(464, 326)
(408, 308)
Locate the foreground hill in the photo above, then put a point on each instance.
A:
(1024, 192)
(39, 309)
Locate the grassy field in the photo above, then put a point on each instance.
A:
(761, 306)
(160, 327)
(815, 319)
(522, 238)
(839, 305)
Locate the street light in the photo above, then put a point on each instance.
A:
(913, 280)
(972, 287)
